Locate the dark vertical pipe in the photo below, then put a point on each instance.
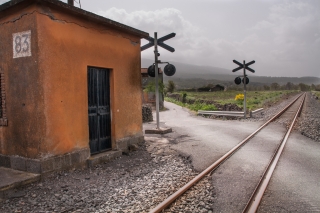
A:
(71, 2)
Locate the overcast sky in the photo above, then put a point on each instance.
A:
(282, 36)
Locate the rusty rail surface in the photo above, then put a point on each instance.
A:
(255, 199)
(164, 204)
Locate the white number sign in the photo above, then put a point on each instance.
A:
(21, 44)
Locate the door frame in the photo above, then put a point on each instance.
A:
(97, 111)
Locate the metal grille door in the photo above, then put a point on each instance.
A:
(99, 110)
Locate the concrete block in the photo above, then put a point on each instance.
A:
(56, 161)
(66, 161)
(33, 166)
(5, 161)
(18, 163)
(103, 157)
(84, 155)
(125, 143)
(137, 140)
(158, 131)
(75, 158)
(46, 165)
(122, 144)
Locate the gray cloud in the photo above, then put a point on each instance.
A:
(284, 43)
(282, 36)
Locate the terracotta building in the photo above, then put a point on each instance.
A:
(70, 85)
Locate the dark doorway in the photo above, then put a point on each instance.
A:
(99, 110)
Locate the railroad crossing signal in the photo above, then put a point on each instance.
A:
(159, 42)
(246, 66)
(169, 69)
(245, 80)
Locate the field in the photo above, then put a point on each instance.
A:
(255, 99)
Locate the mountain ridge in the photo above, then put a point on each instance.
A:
(187, 72)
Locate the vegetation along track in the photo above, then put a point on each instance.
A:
(295, 106)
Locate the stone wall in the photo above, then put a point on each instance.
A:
(146, 113)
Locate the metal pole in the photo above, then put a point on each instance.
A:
(244, 91)
(156, 75)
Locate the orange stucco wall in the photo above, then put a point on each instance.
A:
(64, 46)
(23, 88)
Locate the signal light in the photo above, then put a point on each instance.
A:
(237, 80)
(169, 70)
(151, 71)
(247, 80)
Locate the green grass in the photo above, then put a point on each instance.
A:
(317, 93)
(194, 107)
(255, 99)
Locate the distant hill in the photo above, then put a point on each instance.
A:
(188, 76)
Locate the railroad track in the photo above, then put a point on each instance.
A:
(291, 112)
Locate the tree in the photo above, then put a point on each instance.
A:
(171, 86)
(289, 86)
(151, 87)
(266, 87)
(304, 87)
(274, 86)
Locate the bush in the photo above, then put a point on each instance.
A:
(151, 87)
(171, 86)
(184, 97)
(209, 107)
(239, 97)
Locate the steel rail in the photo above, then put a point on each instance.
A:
(257, 195)
(215, 165)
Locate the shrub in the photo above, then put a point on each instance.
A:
(152, 88)
(171, 86)
(209, 107)
(184, 97)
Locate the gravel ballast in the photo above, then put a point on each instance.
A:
(309, 122)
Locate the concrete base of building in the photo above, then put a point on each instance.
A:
(158, 131)
(103, 157)
(124, 144)
(46, 165)
(79, 158)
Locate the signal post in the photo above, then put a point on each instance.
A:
(169, 70)
(245, 81)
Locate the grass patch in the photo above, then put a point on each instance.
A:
(317, 93)
(255, 99)
(194, 107)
